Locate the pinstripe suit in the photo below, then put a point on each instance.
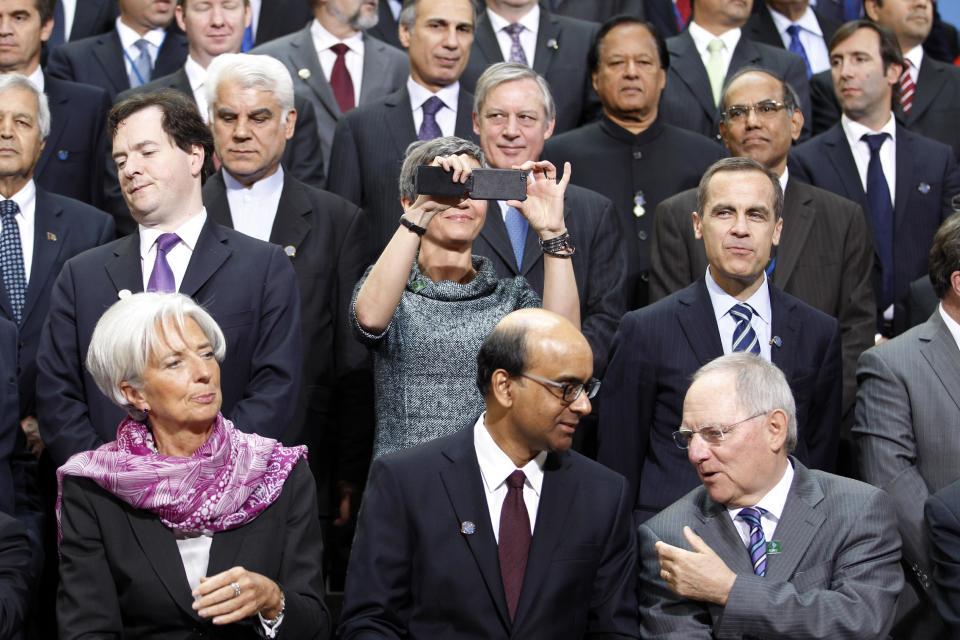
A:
(837, 576)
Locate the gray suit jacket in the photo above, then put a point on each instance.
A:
(837, 576)
(385, 70)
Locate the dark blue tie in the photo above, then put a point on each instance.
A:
(58, 35)
(11, 258)
(851, 9)
(797, 47)
(744, 337)
(247, 42)
(881, 216)
(429, 129)
(517, 230)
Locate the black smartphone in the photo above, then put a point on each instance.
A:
(483, 184)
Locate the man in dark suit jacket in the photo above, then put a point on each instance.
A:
(769, 26)
(731, 307)
(556, 47)
(690, 100)
(278, 18)
(248, 286)
(506, 489)
(942, 514)
(925, 178)
(371, 141)
(386, 29)
(598, 11)
(15, 579)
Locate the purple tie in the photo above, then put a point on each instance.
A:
(758, 542)
(514, 543)
(516, 49)
(162, 277)
(429, 129)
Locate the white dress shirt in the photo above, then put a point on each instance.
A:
(254, 209)
(323, 40)
(179, 256)
(811, 37)
(69, 11)
(26, 199)
(760, 321)
(702, 37)
(772, 503)
(36, 79)
(861, 151)
(446, 117)
(128, 39)
(496, 466)
(255, 10)
(952, 325)
(915, 58)
(197, 76)
(395, 7)
(528, 37)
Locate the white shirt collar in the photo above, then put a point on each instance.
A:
(702, 37)
(196, 74)
(261, 188)
(25, 199)
(36, 78)
(722, 301)
(952, 325)
(420, 94)
(189, 232)
(807, 22)
(323, 39)
(915, 56)
(128, 36)
(855, 131)
(784, 179)
(530, 21)
(775, 499)
(496, 466)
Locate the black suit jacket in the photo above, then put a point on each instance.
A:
(922, 301)
(687, 101)
(598, 264)
(597, 10)
(249, 288)
(368, 150)
(657, 349)
(927, 177)
(386, 29)
(15, 579)
(943, 526)
(98, 60)
(121, 574)
(281, 17)
(420, 577)
(661, 14)
(560, 57)
(761, 27)
(326, 236)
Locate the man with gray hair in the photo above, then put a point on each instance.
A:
(765, 547)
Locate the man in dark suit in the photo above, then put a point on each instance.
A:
(795, 26)
(825, 255)
(386, 29)
(903, 181)
(712, 49)
(506, 489)
(248, 286)
(598, 11)
(731, 307)
(365, 71)
(942, 514)
(277, 18)
(630, 155)
(144, 44)
(15, 579)
(371, 141)
(80, 19)
(556, 47)
(764, 547)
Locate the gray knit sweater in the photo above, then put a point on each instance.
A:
(425, 362)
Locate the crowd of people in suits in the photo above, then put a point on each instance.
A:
(702, 380)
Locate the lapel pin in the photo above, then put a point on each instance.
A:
(63, 154)
(638, 204)
(124, 293)
(923, 188)
(290, 250)
(52, 237)
(467, 528)
(776, 341)
(774, 547)
(553, 44)
(304, 73)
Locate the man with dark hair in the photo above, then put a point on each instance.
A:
(499, 530)
(906, 422)
(903, 181)
(731, 307)
(630, 155)
(161, 145)
(796, 26)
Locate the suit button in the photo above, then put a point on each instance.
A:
(642, 235)
(637, 155)
(645, 277)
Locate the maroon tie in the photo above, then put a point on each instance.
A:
(340, 80)
(514, 541)
(907, 88)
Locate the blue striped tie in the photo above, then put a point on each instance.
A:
(744, 337)
(758, 542)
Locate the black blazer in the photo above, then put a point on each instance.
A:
(413, 574)
(927, 177)
(657, 349)
(942, 513)
(598, 264)
(249, 288)
(9, 418)
(281, 17)
(596, 11)
(121, 574)
(98, 60)
(661, 14)
(386, 29)
(368, 150)
(761, 27)
(561, 58)
(15, 579)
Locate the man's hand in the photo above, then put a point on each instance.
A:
(31, 429)
(346, 491)
(699, 574)
(543, 207)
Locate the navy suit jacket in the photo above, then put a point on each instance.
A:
(927, 178)
(249, 288)
(419, 570)
(657, 349)
(386, 29)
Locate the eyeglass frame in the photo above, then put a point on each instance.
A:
(722, 430)
(566, 387)
(779, 106)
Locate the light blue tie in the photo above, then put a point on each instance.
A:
(517, 230)
(142, 66)
(11, 259)
(797, 47)
(744, 337)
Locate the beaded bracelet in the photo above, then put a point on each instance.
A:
(560, 247)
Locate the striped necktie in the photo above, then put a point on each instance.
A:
(758, 542)
(907, 88)
(744, 337)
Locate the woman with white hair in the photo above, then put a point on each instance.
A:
(184, 526)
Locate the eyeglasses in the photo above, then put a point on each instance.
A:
(711, 433)
(765, 110)
(569, 391)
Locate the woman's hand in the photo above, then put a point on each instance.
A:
(217, 598)
(425, 207)
(543, 207)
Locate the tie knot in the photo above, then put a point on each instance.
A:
(432, 105)
(167, 241)
(741, 312)
(8, 209)
(513, 30)
(751, 515)
(340, 49)
(875, 140)
(715, 45)
(794, 30)
(516, 479)
(143, 46)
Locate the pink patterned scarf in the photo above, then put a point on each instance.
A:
(226, 483)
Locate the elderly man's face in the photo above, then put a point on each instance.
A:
(213, 27)
(439, 42)
(249, 132)
(147, 14)
(21, 36)
(20, 140)
(512, 124)
(629, 78)
(859, 80)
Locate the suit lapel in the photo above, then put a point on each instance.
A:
(939, 349)
(690, 70)
(930, 80)
(703, 337)
(548, 43)
(290, 226)
(745, 54)
(48, 237)
(109, 53)
(59, 113)
(180, 82)
(374, 70)
(124, 269)
(160, 548)
(904, 178)
(399, 119)
(209, 254)
(303, 55)
(717, 530)
(800, 522)
(225, 548)
(215, 200)
(486, 40)
(797, 221)
(786, 326)
(172, 53)
(494, 231)
(464, 125)
(841, 157)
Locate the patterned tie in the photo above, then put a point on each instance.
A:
(681, 11)
(514, 543)
(161, 279)
(516, 50)
(907, 88)
(517, 230)
(797, 47)
(429, 129)
(11, 258)
(142, 67)
(744, 337)
(715, 68)
(340, 80)
(248, 39)
(880, 215)
(758, 542)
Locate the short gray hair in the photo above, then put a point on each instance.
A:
(741, 163)
(760, 387)
(408, 14)
(19, 81)
(423, 152)
(131, 330)
(250, 71)
(502, 72)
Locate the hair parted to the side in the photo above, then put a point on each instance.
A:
(738, 164)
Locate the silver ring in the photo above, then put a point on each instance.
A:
(236, 589)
